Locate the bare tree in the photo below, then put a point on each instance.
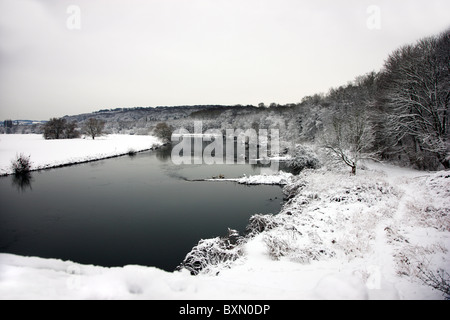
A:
(350, 138)
(59, 128)
(70, 130)
(94, 127)
(54, 128)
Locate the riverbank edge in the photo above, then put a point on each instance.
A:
(69, 164)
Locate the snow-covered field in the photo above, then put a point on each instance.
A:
(52, 153)
(382, 234)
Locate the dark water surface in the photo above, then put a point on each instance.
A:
(127, 210)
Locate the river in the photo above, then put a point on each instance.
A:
(140, 209)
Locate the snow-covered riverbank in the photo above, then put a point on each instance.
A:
(280, 178)
(374, 236)
(53, 153)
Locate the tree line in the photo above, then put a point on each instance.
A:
(60, 128)
(400, 113)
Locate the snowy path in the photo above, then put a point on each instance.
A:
(400, 246)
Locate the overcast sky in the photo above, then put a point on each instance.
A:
(61, 57)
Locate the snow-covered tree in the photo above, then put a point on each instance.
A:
(350, 138)
(415, 93)
(303, 157)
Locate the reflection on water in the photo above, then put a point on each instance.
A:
(164, 154)
(22, 182)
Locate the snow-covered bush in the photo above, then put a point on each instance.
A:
(296, 246)
(259, 223)
(278, 246)
(21, 165)
(296, 185)
(210, 255)
(303, 157)
(434, 211)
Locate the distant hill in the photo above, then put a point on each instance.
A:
(142, 120)
(23, 122)
(148, 114)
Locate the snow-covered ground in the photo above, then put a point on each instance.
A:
(52, 153)
(377, 235)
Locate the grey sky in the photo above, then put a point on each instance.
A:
(130, 53)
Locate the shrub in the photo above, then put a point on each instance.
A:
(438, 280)
(163, 131)
(303, 158)
(259, 223)
(21, 165)
(131, 152)
(211, 255)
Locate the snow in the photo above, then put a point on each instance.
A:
(338, 237)
(279, 178)
(52, 153)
